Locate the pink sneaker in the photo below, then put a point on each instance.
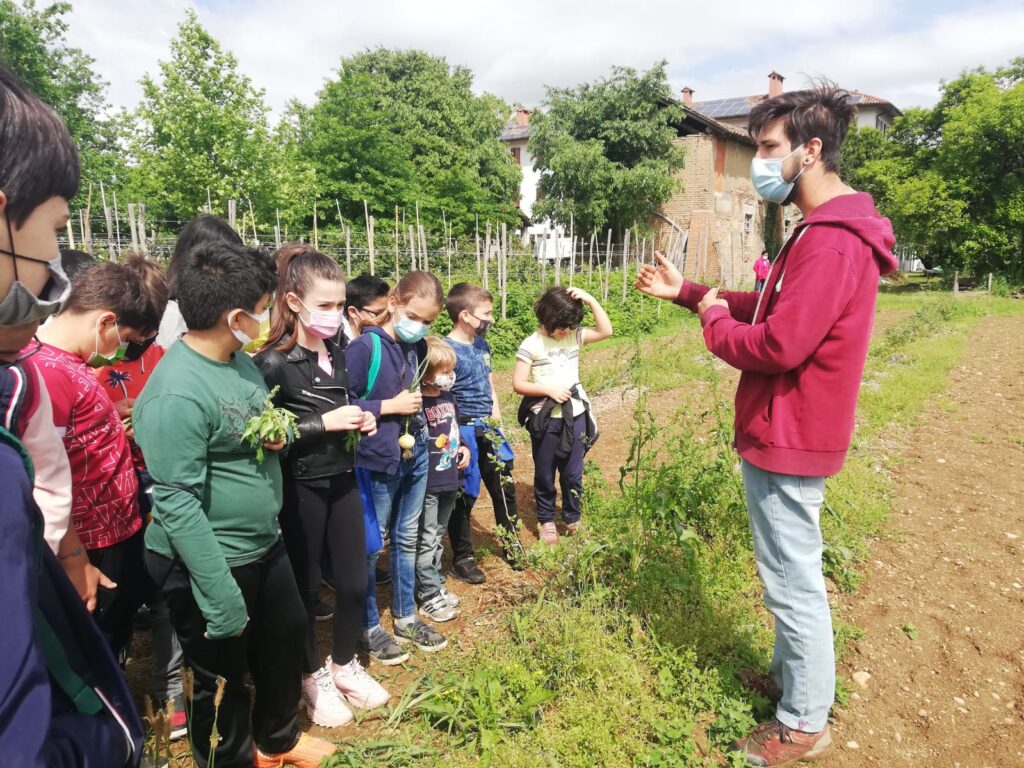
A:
(355, 684)
(548, 533)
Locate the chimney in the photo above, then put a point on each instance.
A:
(523, 116)
(774, 84)
(688, 96)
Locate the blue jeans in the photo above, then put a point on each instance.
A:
(437, 510)
(784, 512)
(398, 500)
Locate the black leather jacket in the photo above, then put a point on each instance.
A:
(308, 392)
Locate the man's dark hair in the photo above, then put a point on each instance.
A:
(134, 291)
(38, 159)
(205, 228)
(465, 296)
(556, 308)
(75, 262)
(214, 278)
(362, 290)
(823, 112)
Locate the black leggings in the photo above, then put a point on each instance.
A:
(123, 564)
(332, 513)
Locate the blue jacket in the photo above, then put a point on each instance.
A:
(39, 723)
(398, 363)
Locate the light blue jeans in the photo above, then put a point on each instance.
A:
(437, 510)
(398, 501)
(784, 512)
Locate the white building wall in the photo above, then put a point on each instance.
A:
(528, 186)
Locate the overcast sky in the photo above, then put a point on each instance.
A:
(895, 49)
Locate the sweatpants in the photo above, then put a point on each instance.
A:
(124, 565)
(569, 468)
(497, 478)
(269, 649)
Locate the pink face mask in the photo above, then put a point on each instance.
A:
(323, 325)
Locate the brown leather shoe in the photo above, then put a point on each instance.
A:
(773, 744)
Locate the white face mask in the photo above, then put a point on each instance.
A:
(444, 381)
(242, 337)
(766, 175)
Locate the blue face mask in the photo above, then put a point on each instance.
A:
(410, 331)
(766, 175)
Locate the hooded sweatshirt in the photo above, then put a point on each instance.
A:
(802, 342)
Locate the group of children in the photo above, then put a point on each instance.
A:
(125, 393)
(396, 431)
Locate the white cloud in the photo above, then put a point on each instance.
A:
(516, 48)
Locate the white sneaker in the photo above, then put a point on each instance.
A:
(324, 703)
(451, 597)
(356, 685)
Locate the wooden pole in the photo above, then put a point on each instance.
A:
(142, 228)
(478, 244)
(412, 249)
(572, 246)
(504, 270)
(231, 215)
(487, 254)
(107, 214)
(117, 221)
(590, 264)
(277, 228)
(348, 252)
(369, 245)
(209, 202)
(544, 263)
(398, 255)
(316, 234)
(252, 218)
(607, 265)
(132, 226)
(424, 254)
(71, 235)
(625, 265)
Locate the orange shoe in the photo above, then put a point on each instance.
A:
(309, 752)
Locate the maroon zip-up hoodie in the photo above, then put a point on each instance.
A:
(802, 355)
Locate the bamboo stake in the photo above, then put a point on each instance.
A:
(590, 265)
(277, 228)
(231, 215)
(544, 263)
(71, 235)
(209, 202)
(487, 254)
(424, 253)
(316, 234)
(142, 228)
(412, 250)
(397, 254)
(478, 244)
(572, 245)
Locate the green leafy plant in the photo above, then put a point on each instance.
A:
(272, 426)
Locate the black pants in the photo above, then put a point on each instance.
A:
(123, 564)
(498, 481)
(270, 650)
(332, 514)
(570, 472)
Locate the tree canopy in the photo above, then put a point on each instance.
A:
(606, 149)
(952, 177)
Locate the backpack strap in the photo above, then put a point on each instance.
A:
(375, 355)
(81, 694)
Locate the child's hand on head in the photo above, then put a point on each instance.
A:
(580, 295)
(463, 454)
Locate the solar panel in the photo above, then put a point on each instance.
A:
(725, 107)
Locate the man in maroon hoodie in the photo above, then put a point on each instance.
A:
(800, 345)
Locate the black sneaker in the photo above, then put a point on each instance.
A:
(382, 576)
(382, 648)
(468, 571)
(323, 611)
(423, 636)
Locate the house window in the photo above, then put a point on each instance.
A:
(748, 222)
(881, 125)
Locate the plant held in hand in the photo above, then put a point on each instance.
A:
(272, 426)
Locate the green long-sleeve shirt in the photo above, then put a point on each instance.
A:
(215, 507)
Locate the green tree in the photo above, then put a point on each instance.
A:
(401, 127)
(606, 150)
(33, 46)
(202, 126)
(951, 178)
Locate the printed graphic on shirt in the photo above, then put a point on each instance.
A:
(237, 412)
(448, 444)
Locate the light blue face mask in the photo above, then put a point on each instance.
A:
(410, 331)
(766, 175)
